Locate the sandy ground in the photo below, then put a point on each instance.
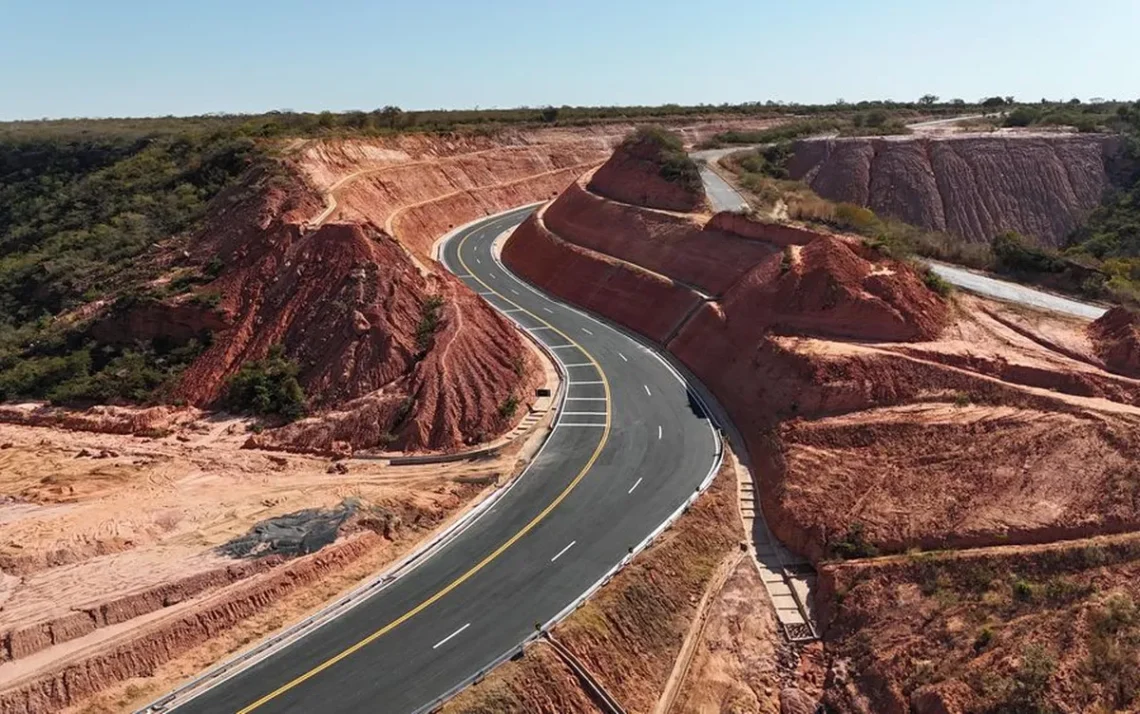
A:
(735, 667)
(139, 513)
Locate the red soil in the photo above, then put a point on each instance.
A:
(173, 636)
(949, 633)
(851, 383)
(1116, 337)
(627, 294)
(633, 175)
(345, 301)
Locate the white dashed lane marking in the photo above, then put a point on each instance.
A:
(561, 552)
(437, 645)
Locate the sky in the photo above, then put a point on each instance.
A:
(80, 58)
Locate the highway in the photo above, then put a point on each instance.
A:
(629, 447)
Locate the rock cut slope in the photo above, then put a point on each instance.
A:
(391, 357)
(879, 416)
(972, 186)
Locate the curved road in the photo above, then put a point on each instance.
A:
(630, 446)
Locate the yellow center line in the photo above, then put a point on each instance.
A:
(497, 552)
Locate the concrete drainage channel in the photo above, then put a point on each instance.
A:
(788, 578)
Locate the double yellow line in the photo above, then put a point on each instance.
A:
(498, 551)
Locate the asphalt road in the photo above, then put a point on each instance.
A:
(982, 284)
(722, 197)
(630, 446)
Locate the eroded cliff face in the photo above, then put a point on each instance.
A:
(392, 352)
(972, 186)
(1116, 338)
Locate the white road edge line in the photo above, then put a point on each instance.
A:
(599, 426)
(585, 413)
(585, 399)
(635, 485)
(561, 347)
(579, 364)
(594, 381)
(561, 552)
(453, 634)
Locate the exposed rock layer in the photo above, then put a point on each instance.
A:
(974, 187)
(139, 657)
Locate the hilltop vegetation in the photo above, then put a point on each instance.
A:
(675, 164)
(78, 216)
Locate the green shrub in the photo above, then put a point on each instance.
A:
(849, 216)
(267, 387)
(429, 322)
(675, 165)
(935, 282)
(1022, 116)
(855, 544)
(509, 406)
(1015, 253)
(984, 639)
(1114, 650)
(1030, 683)
(1023, 590)
(209, 300)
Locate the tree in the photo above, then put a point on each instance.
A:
(958, 102)
(550, 114)
(268, 387)
(928, 100)
(390, 116)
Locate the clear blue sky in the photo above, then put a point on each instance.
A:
(133, 58)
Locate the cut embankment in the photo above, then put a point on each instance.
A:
(629, 634)
(631, 296)
(974, 186)
(1045, 628)
(90, 672)
(675, 245)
